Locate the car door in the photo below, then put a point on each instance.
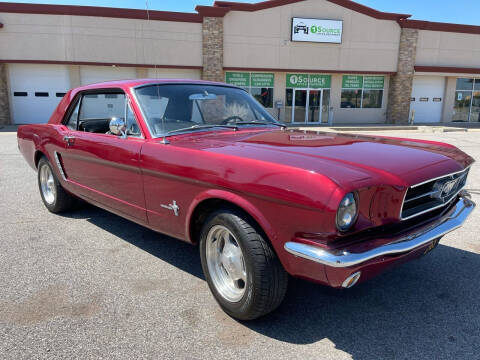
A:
(99, 165)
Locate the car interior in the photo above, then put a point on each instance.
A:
(95, 111)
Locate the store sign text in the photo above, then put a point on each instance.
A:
(246, 79)
(311, 81)
(317, 30)
(365, 82)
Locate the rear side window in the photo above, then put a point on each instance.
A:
(102, 106)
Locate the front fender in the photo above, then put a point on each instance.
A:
(235, 199)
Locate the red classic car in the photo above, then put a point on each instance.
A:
(205, 163)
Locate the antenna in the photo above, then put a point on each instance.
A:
(164, 139)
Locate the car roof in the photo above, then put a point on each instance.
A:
(138, 82)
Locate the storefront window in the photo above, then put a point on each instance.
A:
(263, 95)
(362, 92)
(372, 99)
(475, 114)
(467, 100)
(260, 85)
(464, 84)
(351, 99)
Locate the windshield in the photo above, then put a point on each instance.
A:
(170, 108)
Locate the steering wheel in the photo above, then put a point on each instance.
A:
(230, 119)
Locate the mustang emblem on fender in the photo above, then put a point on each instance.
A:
(174, 207)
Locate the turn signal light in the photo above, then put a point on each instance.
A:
(351, 280)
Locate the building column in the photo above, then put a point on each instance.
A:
(400, 90)
(141, 72)
(74, 76)
(5, 118)
(212, 48)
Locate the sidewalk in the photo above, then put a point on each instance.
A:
(447, 127)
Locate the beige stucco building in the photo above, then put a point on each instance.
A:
(313, 61)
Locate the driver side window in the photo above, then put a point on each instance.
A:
(97, 109)
(94, 111)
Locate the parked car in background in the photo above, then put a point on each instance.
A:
(205, 163)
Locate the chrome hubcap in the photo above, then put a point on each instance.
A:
(47, 184)
(225, 262)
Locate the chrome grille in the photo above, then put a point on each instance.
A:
(432, 194)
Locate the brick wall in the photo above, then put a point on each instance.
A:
(400, 90)
(4, 102)
(212, 50)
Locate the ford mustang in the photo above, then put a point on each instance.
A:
(204, 162)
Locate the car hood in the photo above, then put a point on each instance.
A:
(349, 160)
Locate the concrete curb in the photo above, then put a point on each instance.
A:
(425, 129)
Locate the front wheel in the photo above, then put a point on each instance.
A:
(54, 197)
(241, 269)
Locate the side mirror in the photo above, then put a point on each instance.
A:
(117, 127)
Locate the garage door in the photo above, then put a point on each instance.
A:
(174, 74)
(427, 98)
(35, 91)
(95, 74)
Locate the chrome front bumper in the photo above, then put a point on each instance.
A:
(342, 258)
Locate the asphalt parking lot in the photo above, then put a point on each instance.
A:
(89, 284)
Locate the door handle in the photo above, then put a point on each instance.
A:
(70, 140)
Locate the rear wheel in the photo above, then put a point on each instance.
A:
(54, 197)
(241, 269)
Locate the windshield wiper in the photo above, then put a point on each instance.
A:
(259, 123)
(200, 127)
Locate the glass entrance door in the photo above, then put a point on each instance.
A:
(300, 105)
(307, 106)
(325, 116)
(314, 105)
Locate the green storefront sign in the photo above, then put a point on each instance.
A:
(373, 82)
(238, 79)
(363, 82)
(246, 79)
(319, 81)
(263, 80)
(313, 81)
(352, 81)
(297, 80)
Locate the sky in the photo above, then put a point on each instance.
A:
(458, 11)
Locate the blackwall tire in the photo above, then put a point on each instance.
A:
(240, 266)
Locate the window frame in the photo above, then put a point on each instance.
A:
(152, 133)
(362, 89)
(78, 99)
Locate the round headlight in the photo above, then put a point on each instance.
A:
(347, 212)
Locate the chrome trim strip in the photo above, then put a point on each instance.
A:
(419, 196)
(343, 258)
(441, 177)
(144, 118)
(59, 165)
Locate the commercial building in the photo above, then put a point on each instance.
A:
(307, 61)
